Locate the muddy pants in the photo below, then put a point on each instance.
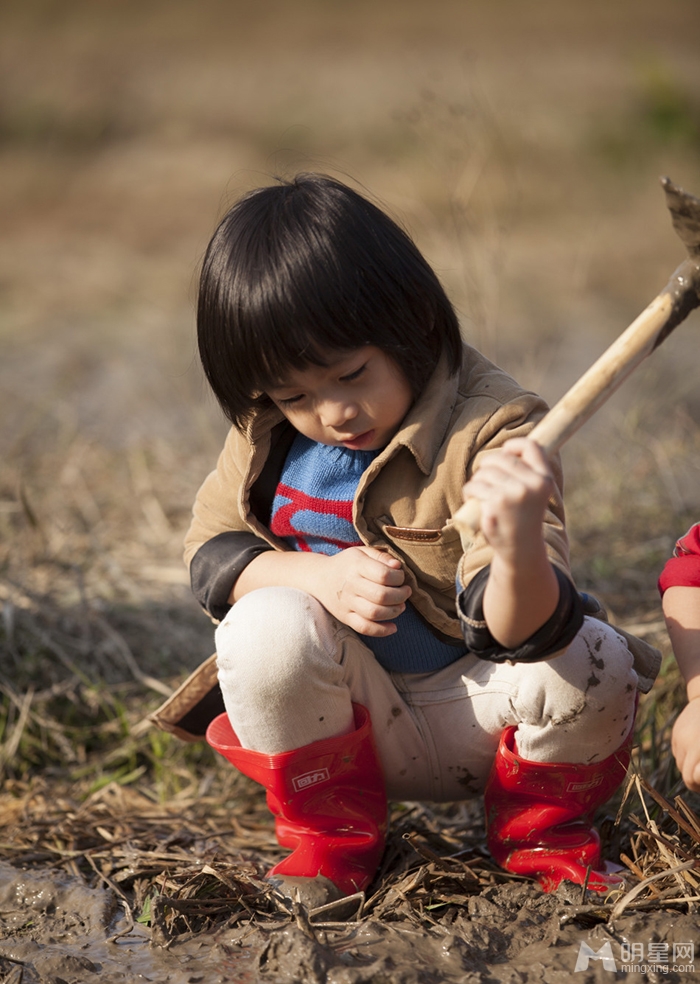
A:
(289, 673)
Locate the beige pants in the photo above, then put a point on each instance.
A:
(289, 672)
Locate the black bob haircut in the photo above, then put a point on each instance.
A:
(306, 267)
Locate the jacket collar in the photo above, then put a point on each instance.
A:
(260, 425)
(425, 425)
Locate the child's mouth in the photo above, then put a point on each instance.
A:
(360, 441)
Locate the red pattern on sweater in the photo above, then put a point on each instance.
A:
(281, 523)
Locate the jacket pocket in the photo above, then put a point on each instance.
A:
(431, 553)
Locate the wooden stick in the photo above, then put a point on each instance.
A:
(589, 393)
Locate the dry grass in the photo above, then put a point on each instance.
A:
(178, 836)
(187, 865)
(184, 841)
(526, 167)
(197, 862)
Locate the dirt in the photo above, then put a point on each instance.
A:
(174, 895)
(521, 143)
(56, 929)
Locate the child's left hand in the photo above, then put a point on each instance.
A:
(681, 607)
(513, 486)
(685, 742)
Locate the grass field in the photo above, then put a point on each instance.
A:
(520, 142)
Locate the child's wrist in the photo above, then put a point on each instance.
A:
(523, 564)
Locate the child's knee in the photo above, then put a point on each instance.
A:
(272, 639)
(594, 681)
(604, 663)
(578, 706)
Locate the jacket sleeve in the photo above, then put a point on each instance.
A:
(556, 633)
(217, 565)
(220, 543)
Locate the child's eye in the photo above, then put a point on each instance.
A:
(290, 400)
(353, 375)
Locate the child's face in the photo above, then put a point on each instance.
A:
(358, 401)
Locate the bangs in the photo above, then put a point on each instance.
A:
(287, 321)
(270, 366)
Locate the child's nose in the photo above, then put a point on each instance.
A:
(335, 413)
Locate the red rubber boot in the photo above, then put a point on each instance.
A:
(538, 815)
(329, 804)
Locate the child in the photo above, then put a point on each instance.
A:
(679, 585)
(350, 665)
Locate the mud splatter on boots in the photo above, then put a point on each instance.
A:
(329, 804)
(539, 815)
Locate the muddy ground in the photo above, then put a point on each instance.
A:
(505, 935)
(521, 143)
(180, 898)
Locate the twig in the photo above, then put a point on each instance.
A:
(628, 788)
(636, 870)
(128, 657)
(672, 812)
(9, 748)
(130, 921)
(691, 817)
(57, 650)
(663, 842)
(620, 906)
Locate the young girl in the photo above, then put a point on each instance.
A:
(679, 585)
(363, 649)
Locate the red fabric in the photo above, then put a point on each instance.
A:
(683, 568)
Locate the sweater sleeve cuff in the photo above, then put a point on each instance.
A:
(680, 572)
(217, 565)
(556, 634)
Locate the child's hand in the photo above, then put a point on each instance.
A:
(513, 486)
(681, 607)
(685, 742)
(363, 588)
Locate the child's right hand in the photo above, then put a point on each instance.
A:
(685, 742)
(513, 485)
(363, 588)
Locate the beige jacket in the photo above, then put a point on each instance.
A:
(407, 496)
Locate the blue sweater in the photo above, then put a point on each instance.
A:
(312, 511)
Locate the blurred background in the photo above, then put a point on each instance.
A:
(521, 143)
